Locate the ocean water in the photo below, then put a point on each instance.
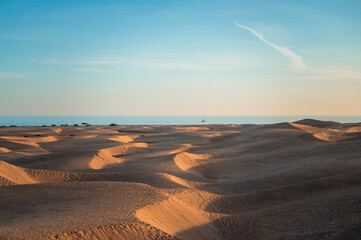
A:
(161, 120)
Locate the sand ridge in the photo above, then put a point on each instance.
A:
(298, 180)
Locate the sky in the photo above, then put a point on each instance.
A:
(180, 57)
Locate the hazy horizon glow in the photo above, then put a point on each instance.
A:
(187, 57)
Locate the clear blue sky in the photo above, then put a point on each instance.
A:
(180, 57)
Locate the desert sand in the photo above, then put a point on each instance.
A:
(298, 180)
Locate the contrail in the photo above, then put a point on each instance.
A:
(296, 61)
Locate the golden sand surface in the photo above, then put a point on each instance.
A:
(298, 180)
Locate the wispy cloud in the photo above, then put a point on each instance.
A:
(11, 75)
(296, 61)
(335, 73)
(93, 70)
(151, 63)
(325, 74)
(204, 62)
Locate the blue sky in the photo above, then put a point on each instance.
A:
(180, 57)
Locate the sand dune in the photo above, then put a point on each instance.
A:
(4, 150)
(298, 180)
(188, 161)
(109, 156)
(179, 219)
(124, 139)
(11, 174)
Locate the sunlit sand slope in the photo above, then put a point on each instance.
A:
(298, 180)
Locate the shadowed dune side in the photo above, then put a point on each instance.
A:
(176, 137)
(30, 140)
(283, 125)
(180, 181)
(317, 123)
(57, 161)
(325, 216)
(21, 147)
(209, 166)
(262, 199)
(184, 147)
(52, 209)
(325, 134)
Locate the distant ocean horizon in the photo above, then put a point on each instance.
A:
(162, 120)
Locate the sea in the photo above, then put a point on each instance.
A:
(162, 120)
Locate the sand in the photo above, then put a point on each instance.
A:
(298, 180)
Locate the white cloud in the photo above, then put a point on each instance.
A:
(296, 61)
